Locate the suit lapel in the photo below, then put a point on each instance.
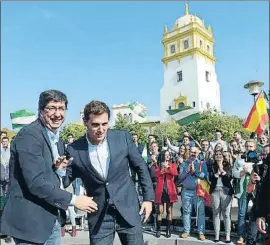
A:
(46, 137)
(113, 146)
(85, 159)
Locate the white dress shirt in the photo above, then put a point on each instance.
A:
(100, 157)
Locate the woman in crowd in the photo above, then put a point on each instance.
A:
(218, 147)
(221, 191)
(165, 192)
(228, 158)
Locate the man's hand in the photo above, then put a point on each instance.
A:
(192, 168)
(62, 162)
(86, 204)
(147, 208)
(255, 177)
(261, 225)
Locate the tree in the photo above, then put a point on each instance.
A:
(168, 130)
(76, 129)
(123, 123)
(206, 127)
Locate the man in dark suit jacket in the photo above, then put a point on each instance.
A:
(263, 202)
(36, 204)
(101, 159)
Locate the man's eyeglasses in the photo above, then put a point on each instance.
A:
(54, 109)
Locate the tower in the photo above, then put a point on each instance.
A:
(190, 81)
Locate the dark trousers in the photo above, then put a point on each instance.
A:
(114, 222)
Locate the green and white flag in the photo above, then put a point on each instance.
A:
(138, 108)
(184, 115)
(21, 118)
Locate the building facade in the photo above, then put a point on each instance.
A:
(190, 79)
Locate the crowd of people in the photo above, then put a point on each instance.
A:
(104, 175)
(234, 169)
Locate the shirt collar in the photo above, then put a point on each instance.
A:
(53, 136)
(91, 145)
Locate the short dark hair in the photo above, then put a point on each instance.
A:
(218, 131)
(3, 132)
(51, 95)
(70, 135)
(5, 138)
(97, 108)
(238, 132)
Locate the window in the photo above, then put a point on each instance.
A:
(125, 116)
(186, 44)
(179, 76)
(208, 105)
(193, 103)
(201, 45)
(181, 105)
(207, 76)
(208, 48)
(130, 117)
(172, 49)
(170, 107)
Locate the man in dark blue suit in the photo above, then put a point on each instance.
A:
(36, 204)
(102, 159)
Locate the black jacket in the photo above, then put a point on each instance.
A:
(263, 201)
(35, 197)
(226, 180)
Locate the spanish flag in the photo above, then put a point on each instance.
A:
(258, 116)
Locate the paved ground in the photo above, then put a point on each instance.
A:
(150, 239)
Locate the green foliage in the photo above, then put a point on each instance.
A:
(206, 127)
(122, 123)
(168, 130)
(76, 129)
(136, 128)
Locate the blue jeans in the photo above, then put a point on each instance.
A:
(190, 199)
(252, 231)
(54, 239)
(114, 222)
(76, 186)
(242, 212)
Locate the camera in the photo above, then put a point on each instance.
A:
(252, 156)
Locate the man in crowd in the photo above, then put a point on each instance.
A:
(257, 178)
(190, 172)
(36, 204)
(5, 156)
(263, 205)
(241, 172)
(219, 140)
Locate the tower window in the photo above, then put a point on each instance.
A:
(186, 44)
(172, 49)
(193, 103)
(208, 48)
(208, 105)
(170, 107)
(207, 76)
(179, 76)
(201, 45)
